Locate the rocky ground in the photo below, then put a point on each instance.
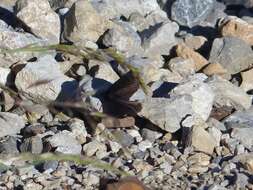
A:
(141, 94)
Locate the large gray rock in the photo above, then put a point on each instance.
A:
(83, 23)
(116, 8)
(232, 53)
(10, 39)
(10, 124)
(191, 12)
(65, 142)
(124, 38)
(167, 113)
(227, 94)
(161, 40)
(52, 83)
(40, 18)
(241, 123)
(201, 93)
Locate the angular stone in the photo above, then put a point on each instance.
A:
(234, 26)
(185, 67)
(124, 38)
(9, 146)
(232, 53)
(93, 147)
(195, 42)
(4, 73)
(83, 23)
(33, 145)
(10, 39)
(40, 18)
(247, 80)
(167, 113)
(187, 53)
(54, 84)
(214, 69)
(78, 129)
(10, 124)
(116, 8)
(65, 142)
(201, 140)
(246, 160)
(154, 43)
(202, 96)
(227, 94)
(191, 12)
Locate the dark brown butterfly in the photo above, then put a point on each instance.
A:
(120, 92)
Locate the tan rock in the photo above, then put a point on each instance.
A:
(187, 53)
(236, 27)
(246, 160)
(201, 140)
(247, 80)
(195, 42)
(214, 69)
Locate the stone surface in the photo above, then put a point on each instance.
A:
(167, 113)
(201, 140)
(33, 145)
(9, 146)
(202, 96)
(234, 26)
(55, 85)
(153, 41)
(185, 67)
(246, 159)
(4, 74)
(232, 53)
(195, 42)
(191, 12)
(247, 80)
(65, 142)
(214, 69)
(94, 148)
(187, 53)
(83, 23)
(10, 124)
(227, 94)
(78, 129)
(124, 38)
(42, 21)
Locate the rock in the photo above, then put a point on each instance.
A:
(65, 142)
(144, 145)
(33, 145)
(199, 159)
(244, 135)
(124, 38)
(247, 80)
(201, 140)
(13, 40)
(216, 134)
(202, 96)
(10, 124)
(195, 42)
(246, 160)
(116, 8)
(187, 53)
(232, 53)
(227, 94)
(55, 85)
(4, 74)
(167, 113)
(124, 138)
(78, 129)
(50, 165)
(154, 43)
(40, 18)
(211, 122)
(9, 146)
(83, 23)
(94, 148)
(105, 71)
(234, 26)
(214, 69)
(150, 135)
(185, 67)
(191, 12)
(148, 68)
(115, 147)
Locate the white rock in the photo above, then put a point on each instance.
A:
(91, 148)
(161, 40)
(10, 124)
(144, 145)
(40, 18)
(227, 94)
(202, 96)
(78, 129)
(4, 73)
(65, 142)
(45, 69)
